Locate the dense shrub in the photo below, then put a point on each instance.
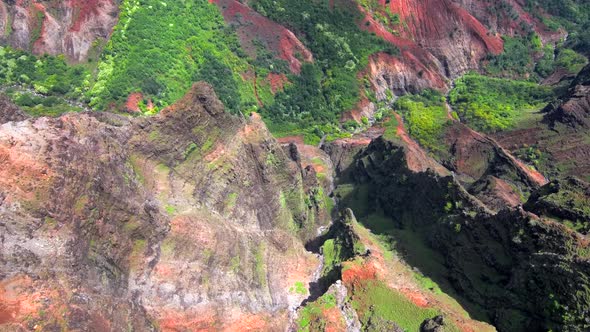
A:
(426, 117)
(330, 85)
(492, 104)
(160, 48)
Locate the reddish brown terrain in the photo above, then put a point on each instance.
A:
(65, 27)
(198, 220)
(109, 222)
(254, 28)
(560, 132)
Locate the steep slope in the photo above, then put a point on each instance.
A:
(574, 109)
(511, 268)
(457, 39)
(557, 138)
(75, 28)
(257, 31)
(167, 222)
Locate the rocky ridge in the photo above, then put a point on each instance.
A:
(109, 222)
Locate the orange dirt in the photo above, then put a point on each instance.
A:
(132, 104)
(334, 320)
(20, 175)
(277, 82)
(354, 273)
(15, 303)
(248, 323)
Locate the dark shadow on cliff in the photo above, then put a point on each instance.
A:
(409, 241)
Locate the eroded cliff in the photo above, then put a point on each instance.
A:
(190, 218)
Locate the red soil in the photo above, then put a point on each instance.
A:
(278, 39)
(20, 175)
(333, 319)
(132, 104)
(355, 273)
(277, 82)
(248, 323)
(85, 10)
(15, 302)
(435, 19)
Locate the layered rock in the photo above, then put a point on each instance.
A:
(438, 40)
(72, 27)
(193, 218)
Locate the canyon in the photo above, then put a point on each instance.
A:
(206, 214)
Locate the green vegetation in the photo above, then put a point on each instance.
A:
(573, 15)
(565, 200)
(259, 264)
(332, 252)
(491, 104)
(234, 264)
(517, 58)
(311, 317)
(382, 14)
(330, 85)
(520, 54)
(375, 302)
(159, 48)
(170, 210)
(41, 85)
(231, 201)
(566, 58)
(426, 117)
(570, 60)
(298, 288)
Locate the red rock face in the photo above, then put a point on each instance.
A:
(436, 36)
(433, 21)
(275, 37)
(508, 25)
(65, 27)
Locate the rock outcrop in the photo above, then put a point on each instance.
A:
(10, 112)
(193, 218)
(561, 133)
(73, 27)
(574, 108)
(515, 269)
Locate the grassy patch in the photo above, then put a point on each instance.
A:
(170, 209)
(390, 125)
(231, 201)
(374, 301)
(234, 264)
(298, 288)
(259, 265)
(426, 118)
(311, 317)
(159, 48)
(492, 104)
